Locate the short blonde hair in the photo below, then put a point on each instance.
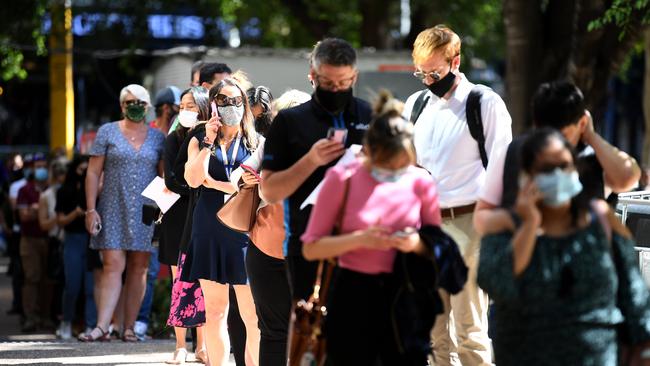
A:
(290, 99)
(437, 39)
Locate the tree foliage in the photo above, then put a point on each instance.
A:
(21, 31)
(265, 23)
(624, 14)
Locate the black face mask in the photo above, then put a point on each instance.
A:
(262, 123)
(442, 86)
(333, 101)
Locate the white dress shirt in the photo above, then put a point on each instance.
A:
(445, 147)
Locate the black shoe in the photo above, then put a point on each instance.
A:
(14, 311)
(48, 325)
(29, 326)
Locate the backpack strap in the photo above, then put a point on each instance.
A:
(418, 106)
(475, 121)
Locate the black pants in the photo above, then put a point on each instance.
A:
(16, 272)
(358, 324)
(270, 288)
(236, 330)
(302, 274)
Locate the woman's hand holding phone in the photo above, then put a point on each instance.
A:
(213, 125)
(250, 176)
(250, 179)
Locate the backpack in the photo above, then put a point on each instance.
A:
(472, 114)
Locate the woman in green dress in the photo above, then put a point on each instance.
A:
(561, 269)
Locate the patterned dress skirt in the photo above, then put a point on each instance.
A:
(187, 308)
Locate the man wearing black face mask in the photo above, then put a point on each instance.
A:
(445, 146)
(297, 152)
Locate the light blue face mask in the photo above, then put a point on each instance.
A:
(558, 187)
(40, 174)
(387, 175)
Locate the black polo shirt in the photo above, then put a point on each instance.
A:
(292, 134)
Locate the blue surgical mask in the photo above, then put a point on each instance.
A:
(558, 187)
(387, 175)
(40, 174)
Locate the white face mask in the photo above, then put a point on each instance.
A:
(187, 118)
(231, 115)
(558, 187)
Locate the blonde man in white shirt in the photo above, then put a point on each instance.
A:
(448, 151)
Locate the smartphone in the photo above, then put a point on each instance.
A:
(97, 228)
(250, 170)
(337, 134)
(215, 112)
(404, 233)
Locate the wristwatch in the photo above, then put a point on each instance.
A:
(206, 143)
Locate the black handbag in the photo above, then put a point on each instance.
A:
(416, 302)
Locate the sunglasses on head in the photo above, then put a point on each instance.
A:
(224, 100)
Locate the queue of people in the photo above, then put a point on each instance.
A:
(439, 183)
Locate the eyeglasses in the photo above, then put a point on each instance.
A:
(423, 75)
(435, 75)
(224, 100)
(135, 102)
(329, 84)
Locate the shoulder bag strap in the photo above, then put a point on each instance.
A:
(326, 267)
(475, 121)
(418, 106)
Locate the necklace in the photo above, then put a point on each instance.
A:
(132, 138)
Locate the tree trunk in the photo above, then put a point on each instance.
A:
(375, 18)
(523, 38)
(419, 13)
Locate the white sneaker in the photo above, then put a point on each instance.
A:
(65, 331)
(140, 330)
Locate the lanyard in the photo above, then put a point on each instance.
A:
(224, 155)
(339, 122)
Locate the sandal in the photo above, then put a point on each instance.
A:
(179, 357)
(129, 335)
(201, 356)
(88, 337)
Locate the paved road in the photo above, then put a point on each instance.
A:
(44, 349)
(76, 353)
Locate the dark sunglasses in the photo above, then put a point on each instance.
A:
(224, 100)
(135, 102)
(549, 168)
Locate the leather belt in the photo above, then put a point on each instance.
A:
(454, 212)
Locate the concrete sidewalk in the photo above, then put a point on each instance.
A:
(17, 348)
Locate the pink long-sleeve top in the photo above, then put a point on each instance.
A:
(412, 201)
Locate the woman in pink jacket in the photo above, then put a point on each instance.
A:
(380, 202)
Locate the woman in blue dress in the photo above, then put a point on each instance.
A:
(216, 254)
(129, 155)
(561, 270)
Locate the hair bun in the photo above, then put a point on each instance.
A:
(386, 105)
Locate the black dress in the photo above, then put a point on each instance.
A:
(179, 165)
(216, 252)
(173, 221)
